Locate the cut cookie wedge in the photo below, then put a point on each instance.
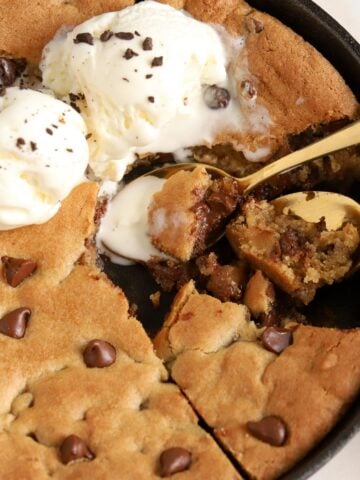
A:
(268, 409)
(82, 393)
(298, 256)
(189, 209)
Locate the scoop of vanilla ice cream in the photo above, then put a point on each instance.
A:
(43, 156)
(142, 81)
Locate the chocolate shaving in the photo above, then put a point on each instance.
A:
(130, 54)
(147, 43)
(157, 62)
(85, 37)
(124, 35)
(105, 36)
(20, 142)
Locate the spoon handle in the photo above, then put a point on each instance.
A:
(346, 137)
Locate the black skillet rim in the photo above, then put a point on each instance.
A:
(343, 51)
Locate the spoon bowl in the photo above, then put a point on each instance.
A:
(336, 209)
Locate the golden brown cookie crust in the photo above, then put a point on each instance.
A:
(27, 25)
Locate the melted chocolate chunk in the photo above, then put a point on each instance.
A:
(157, 61)
(291, 242)
(276, 339)
(17, 269)
(216, 97)
(271, 430)
(147, 44)
(174, 460)
(130, 54)
(14, 323)
(124, 35)
(105, 36)
(99, 354)
(7, 72)
(85, 37)
(74, 448)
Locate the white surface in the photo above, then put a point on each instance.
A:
(346, 464)
(346, 12)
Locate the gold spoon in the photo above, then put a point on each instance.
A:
(310, 206)
(347, 137)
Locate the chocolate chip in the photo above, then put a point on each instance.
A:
(7, 72)
(148, 76)
(174, 460)
(33, 146)
(248, 89)
(310, 196)
(20, 142)
(20, 65)
(17, 269)
(147, 43)
(84, 38)
(124, 35)
(14, 323)
(157, 61)
(271, 429)
(49, 131)
(276, 339)
(253, 25)
(105, 36)
(216, 97)
(99, 353)
(130, 54)
(74, 448)
(151, 99)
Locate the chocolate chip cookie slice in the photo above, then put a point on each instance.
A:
(190, 209)
(269, 395)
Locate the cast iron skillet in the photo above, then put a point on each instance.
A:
(335, 306)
